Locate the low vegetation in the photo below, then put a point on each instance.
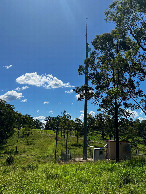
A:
(32, 169)
(99, 177)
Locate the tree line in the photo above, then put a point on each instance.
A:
(11, 119)
(63, 125)
(100, 124)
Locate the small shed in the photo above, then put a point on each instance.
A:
(98, 154)
(124, 150)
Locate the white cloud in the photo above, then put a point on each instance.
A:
(46, 81)
(69, 91)
(23, 88)
(40, 118)
(38, 110)
(78, 96)
(82, 114)
(51, 112)
(92, 113)
(25, 100)
(7, 67)
(142, 118)
(134, 113)
(46, 102)
(141, 112)
(81, 117)
(11, 95)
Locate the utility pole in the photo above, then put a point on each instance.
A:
(85, 104)
(116, 113)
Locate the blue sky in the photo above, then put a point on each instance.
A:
(42, 43)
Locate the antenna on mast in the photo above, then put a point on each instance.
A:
(86, 39)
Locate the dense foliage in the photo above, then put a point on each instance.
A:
(129, 16)
(10, 119)
(115, 71)
(7, 120)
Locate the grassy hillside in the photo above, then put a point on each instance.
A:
(34, 169)
(40, 147)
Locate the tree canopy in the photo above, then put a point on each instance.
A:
(7, 120)
(129, 16)
(115, 70)
(10, 119)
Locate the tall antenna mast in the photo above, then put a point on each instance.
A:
(86, 41)
(85, 104)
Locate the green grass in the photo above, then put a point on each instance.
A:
(41, 147)
(99, 177)
(35, 171)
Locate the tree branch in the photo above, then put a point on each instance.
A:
(138, 105)
(138, 42)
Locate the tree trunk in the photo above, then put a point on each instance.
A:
(18, 131)
(77, 137)
(66, 146)
(56, 138)
(103, 135)
(67, 133)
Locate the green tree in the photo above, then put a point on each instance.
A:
(67, 125)
(18, 125)
(27, 124)
(142, 131)
(126, 129)
(78, 128)
(38, 124)
(100, 123)
(115, 72)
(7, 120)
(90, 123)
(53, 123)
(129, 16)
(28, 121)
(49, 123)
(18, 121)
(104, 125)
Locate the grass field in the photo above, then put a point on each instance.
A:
(34, 169)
